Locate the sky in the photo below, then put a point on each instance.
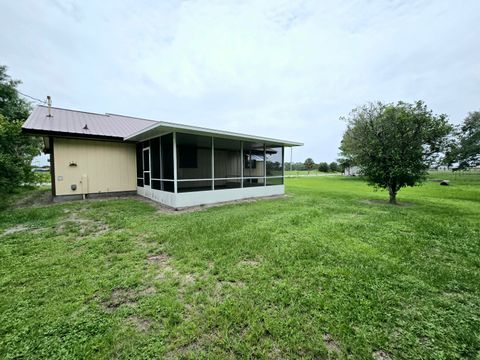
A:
(275, 68)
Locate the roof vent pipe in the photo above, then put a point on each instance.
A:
(49, 103)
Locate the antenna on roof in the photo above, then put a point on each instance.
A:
(49, 103)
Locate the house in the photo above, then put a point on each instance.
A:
(174, 164)
(351, 171)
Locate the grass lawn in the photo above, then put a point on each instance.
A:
(327, 272)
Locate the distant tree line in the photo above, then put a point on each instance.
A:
(309, 165)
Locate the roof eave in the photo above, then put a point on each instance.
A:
(156, 130)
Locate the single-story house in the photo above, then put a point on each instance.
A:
(174, 164)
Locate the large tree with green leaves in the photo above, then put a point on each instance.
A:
(465, 148)
(394, 144)
(16, 149)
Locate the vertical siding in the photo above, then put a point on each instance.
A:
(104, 166)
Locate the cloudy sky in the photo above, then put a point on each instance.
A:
(285, 69)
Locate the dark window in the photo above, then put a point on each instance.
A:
(274, 181)
(167, 157)
(156, 184)
(140, 182)
(155, 157)
(250, 163)
(253, 182)
(146, 160)
(194, 156)
(146, 178)
(274, 161)
(254, 159)
(167, 186)
(139, 161)
(187, 157)
(228, 161)
(227, 184)
(189, 186)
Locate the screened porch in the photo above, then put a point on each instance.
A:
(179, 162)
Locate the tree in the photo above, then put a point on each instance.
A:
(16, 149)
(334, 167)
(465, 148)
(323, 167)
(393, 144)
(309, 164)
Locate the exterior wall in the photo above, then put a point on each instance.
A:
(102, 166)
(181, 200)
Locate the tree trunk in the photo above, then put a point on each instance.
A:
(393, 195)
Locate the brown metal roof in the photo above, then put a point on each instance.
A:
(73, 122)
(65, 122)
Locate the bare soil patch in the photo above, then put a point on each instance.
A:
(381, 355)
(331, 345)
(249, 263)
(158, 258)
(142, 324)
(15, 229)
(80, 225)
(119, 297)
(35, 198)
(385, 202)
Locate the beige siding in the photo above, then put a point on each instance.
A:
(102, 166)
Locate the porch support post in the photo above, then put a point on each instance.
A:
(241, 164)
(175, 188)
(264, 164)
(213, 163)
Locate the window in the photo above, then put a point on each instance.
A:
(228, 161)
(274, 161)
(254, 159)
(166, 157)
(187, 157)
(194, 157)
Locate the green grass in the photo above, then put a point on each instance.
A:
(327, 272)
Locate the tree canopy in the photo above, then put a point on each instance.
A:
(394, 144)
(16, 149)
(309, 164)
(465, 149)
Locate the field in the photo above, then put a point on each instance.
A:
(329, 271)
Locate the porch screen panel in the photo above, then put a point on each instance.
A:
(155, 163)
(166, 162)
(227, 163)
(253, 164)
(194, 162)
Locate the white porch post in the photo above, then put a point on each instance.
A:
(175, 188)
(264, 164)
(213, 163)
(241, 164)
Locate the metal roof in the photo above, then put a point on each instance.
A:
(73, 122)
(64, 121)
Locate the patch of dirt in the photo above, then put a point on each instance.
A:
(35, 198)
(83, 226)
(249, 263)
(148, 291)
(331, 345)
(142, 324)
(381, 355)
(15, 229)
(119, 297)
(385, 202)
(159, 258)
